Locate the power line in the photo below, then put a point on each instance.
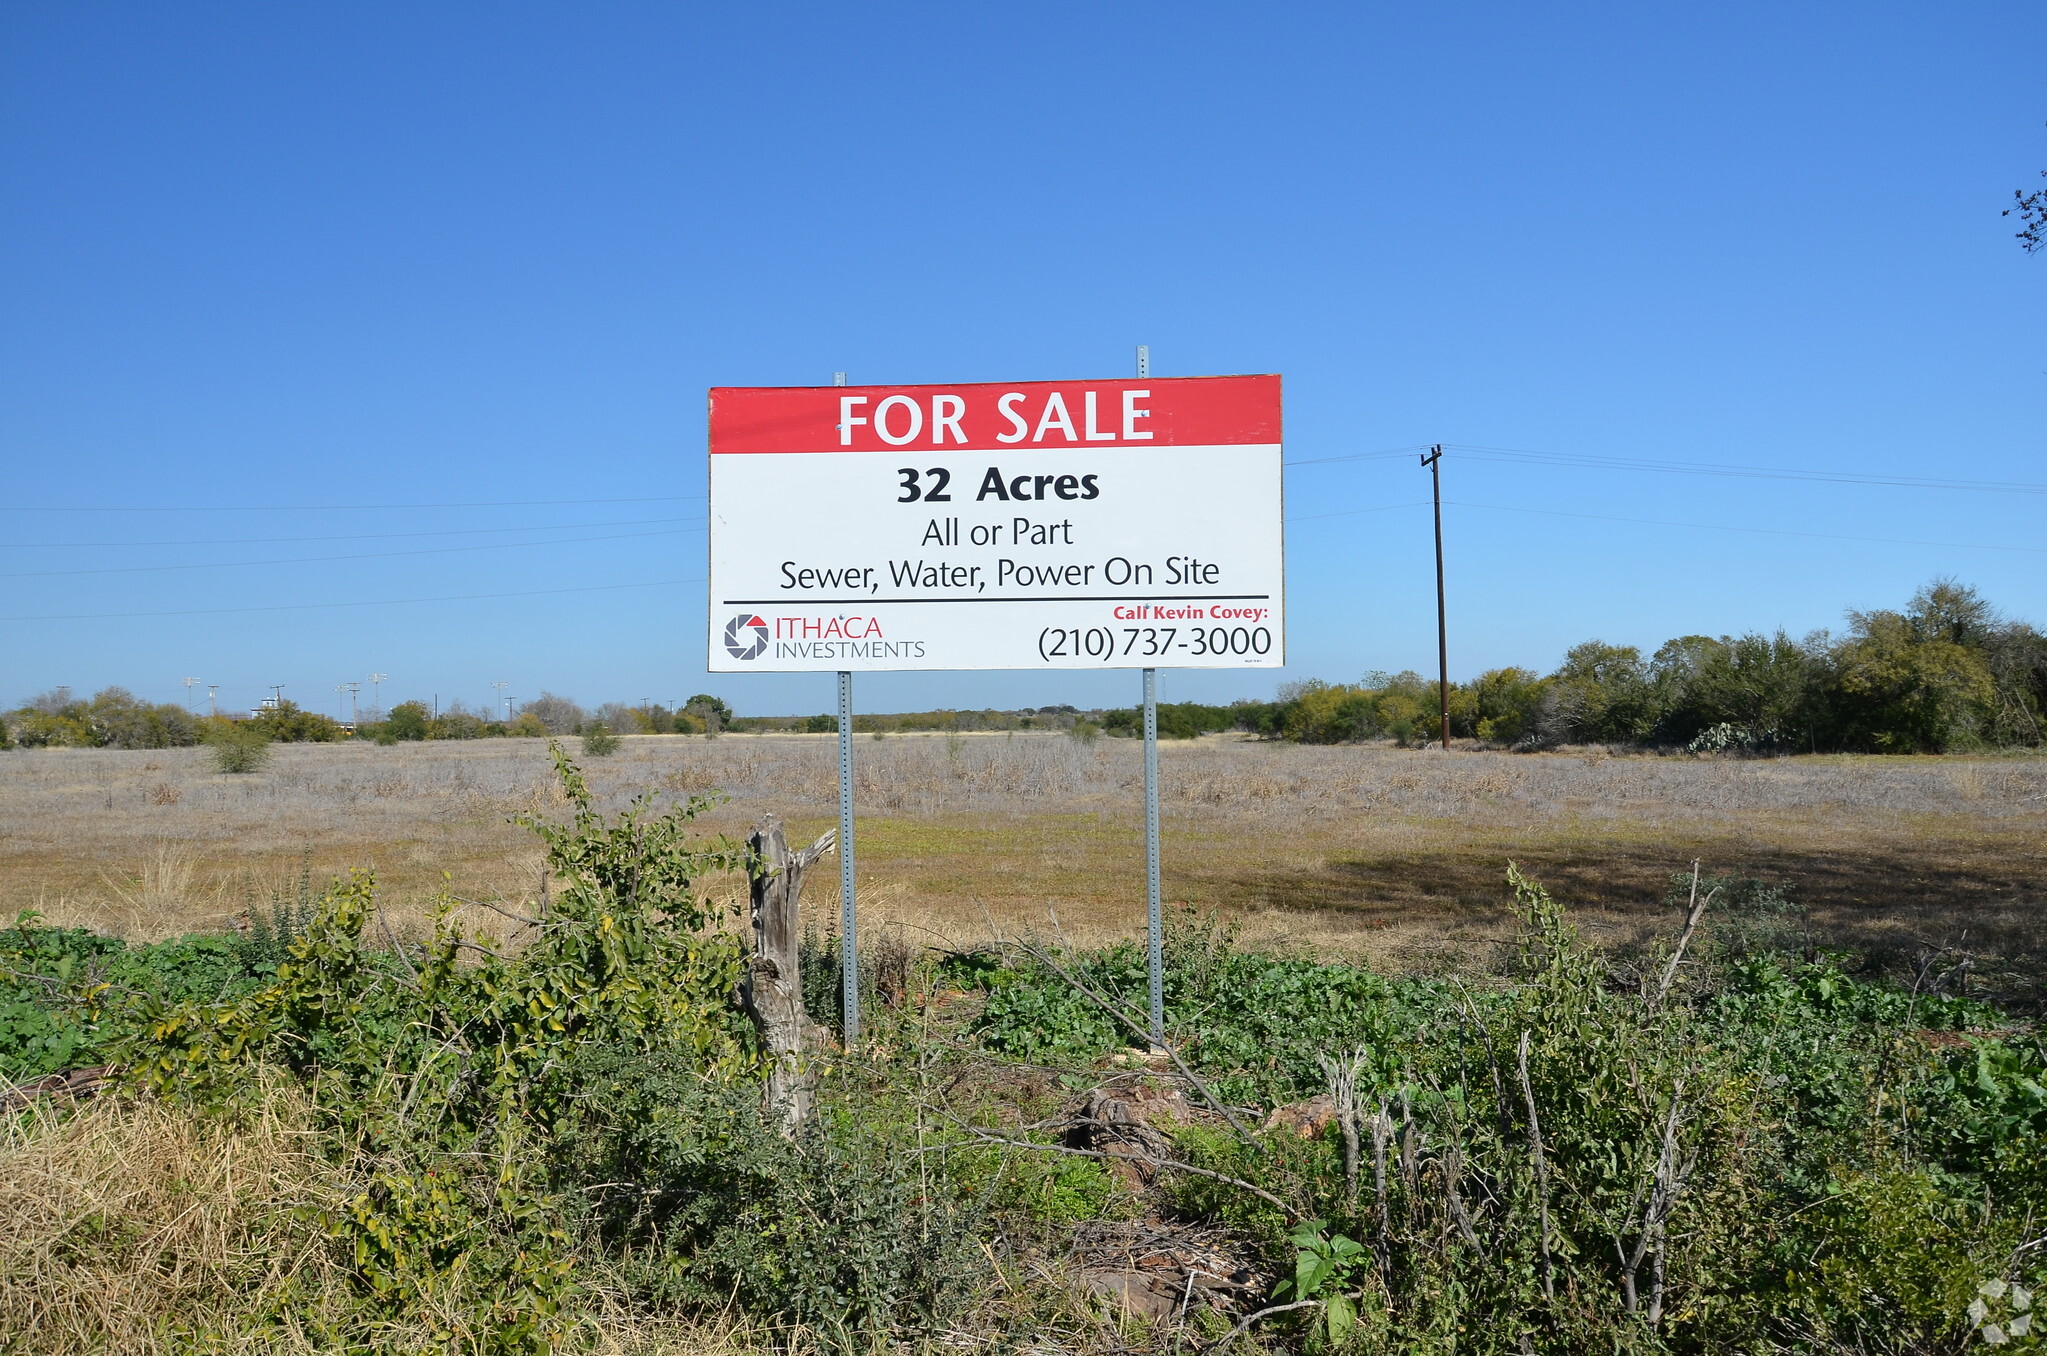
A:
(1585, 461)
(1386, 455)
(1346, 513)
(364, 602)
(363, 555)
(338, 508)
(1665, 522)
(1527, 456)
(1762, 531)
(353, 536)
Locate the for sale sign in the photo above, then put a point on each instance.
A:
(1026, 525)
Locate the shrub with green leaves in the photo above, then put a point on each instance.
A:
(238, 746)
(448, 1068)
(1770, 1150)
(598, 740)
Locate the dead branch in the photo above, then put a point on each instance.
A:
(826, 841)
(1382, 1132)
(518, 918)
(1452, 1163)
(1541, 1172)
(1139, 1030)
(1697, 911)
(1666, 1182)
(1343, 1091)
(398, 947)
(1234, 1333)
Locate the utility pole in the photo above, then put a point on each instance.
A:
(1433, 462)
(190, 683)
(212, 692)
(507, 700)
(376, 694)
(340, 691)
(277, 696)
(353, 714)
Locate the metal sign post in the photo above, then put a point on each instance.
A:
(849, 923)
(849, 952)
(1154, 913)
(1155, 922)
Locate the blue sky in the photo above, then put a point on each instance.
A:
(268, 271)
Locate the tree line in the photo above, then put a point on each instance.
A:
(115, 718)
(1944, 674)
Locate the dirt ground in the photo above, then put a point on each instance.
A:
(1396, 853)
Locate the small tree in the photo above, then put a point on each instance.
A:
(289, 722)
(556, 713)
(1506, 703)
(1600, 694)
(408, 720)
(712, 711)
(598, 740)
(238, 745)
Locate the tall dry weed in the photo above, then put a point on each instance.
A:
(162, 895)
(132, 1226)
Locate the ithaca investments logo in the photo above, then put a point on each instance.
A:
(746, 636)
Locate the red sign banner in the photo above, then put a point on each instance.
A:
(996, 417)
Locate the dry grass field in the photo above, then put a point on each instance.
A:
(1396, 853)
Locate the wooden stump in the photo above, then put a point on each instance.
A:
(771, 995)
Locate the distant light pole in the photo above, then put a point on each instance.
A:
(212, 706)
(340, 691)
(377, 694)
(190, 683)
(507, 700)
(1434, 462)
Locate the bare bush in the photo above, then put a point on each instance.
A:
(560, 715)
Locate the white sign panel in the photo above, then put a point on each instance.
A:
(1033, 525)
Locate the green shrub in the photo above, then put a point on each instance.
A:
(408, 721)
(286, 722)
(449, 1076)
(238, 746)
(598, 740)
(840, 1230)
(118, 719)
